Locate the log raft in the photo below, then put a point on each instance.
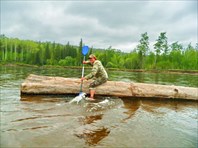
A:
(47, 85)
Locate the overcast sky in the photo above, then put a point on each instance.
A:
(100, 23)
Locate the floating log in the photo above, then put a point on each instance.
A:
(39, 85)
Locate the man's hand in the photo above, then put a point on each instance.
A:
(83, 78)
(84, 62)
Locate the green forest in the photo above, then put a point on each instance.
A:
(164, 56)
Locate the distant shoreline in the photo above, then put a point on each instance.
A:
(171, 71)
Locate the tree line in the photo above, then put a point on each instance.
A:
(162, 56)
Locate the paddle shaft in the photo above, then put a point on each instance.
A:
(83, 69)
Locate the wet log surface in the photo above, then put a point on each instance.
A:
(39, 85)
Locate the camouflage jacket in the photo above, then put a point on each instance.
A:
(97, 71)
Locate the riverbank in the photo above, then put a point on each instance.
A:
(174, 71)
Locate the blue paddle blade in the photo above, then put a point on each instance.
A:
(85, 50)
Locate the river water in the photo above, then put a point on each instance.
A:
(50, 121)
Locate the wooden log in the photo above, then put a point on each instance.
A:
(35, 84)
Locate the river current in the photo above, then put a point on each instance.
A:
(50, 121)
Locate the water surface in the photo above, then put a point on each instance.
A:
(50, 121)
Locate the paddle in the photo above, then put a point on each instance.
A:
(85, 50)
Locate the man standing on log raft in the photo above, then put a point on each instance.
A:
(98, 74)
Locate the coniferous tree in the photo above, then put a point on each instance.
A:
(79, 53)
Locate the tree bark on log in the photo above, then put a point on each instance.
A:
(40, 85)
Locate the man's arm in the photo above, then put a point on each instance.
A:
(93, 72)
(86, 62)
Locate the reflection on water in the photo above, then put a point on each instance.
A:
(155, 106)
(43, 98)
(91, 133)
(90, 119)
(50, 121)
(34, 128)
(93, 136)
(40, 117)
(157, 78)
(132, 106)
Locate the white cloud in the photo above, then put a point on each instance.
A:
(100, 24)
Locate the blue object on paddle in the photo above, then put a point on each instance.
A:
(85, 50)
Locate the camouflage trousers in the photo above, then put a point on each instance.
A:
(96, 82)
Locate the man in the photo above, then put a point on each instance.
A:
(98, 74)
